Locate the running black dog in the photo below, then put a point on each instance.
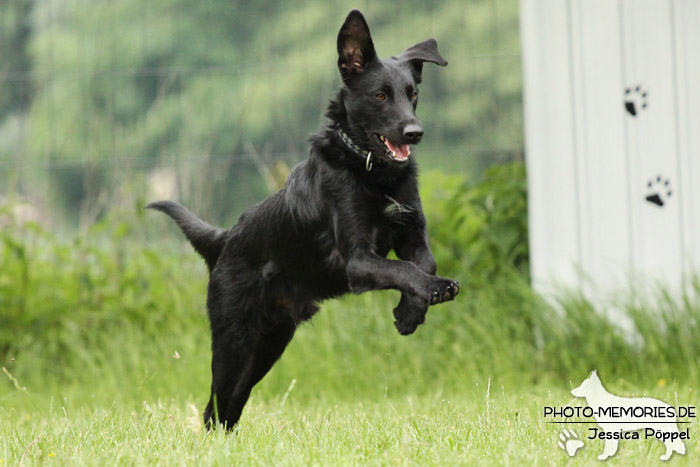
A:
(329, 230)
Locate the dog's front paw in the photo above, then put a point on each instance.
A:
(409, 314)
(443, 290)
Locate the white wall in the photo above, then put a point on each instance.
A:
(590, 161)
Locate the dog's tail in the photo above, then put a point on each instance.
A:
(207, 240)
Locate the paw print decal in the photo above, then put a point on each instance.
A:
(635, 100)
(569, 442)
(659, 191)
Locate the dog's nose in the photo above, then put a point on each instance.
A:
(413, 132)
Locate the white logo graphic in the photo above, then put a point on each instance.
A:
(569, 442)
(620, 418)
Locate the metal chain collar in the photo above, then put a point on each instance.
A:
(355, 148)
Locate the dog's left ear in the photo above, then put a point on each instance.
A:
(425, 51)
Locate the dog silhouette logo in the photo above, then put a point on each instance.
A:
(623, 418)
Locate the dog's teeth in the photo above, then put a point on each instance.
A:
(393, 154)
(381, 138)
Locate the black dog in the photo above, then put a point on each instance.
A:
(329, 230)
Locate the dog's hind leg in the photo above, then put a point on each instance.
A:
(233, 336)
(228, 367)
(259, 360)
(209, 412)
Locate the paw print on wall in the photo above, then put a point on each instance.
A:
(635, 100)
(659, 191)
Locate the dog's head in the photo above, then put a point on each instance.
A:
(588, 386)
(380, 96)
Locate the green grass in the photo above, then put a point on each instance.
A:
(104, 347)
(481, 426)
(333, 399)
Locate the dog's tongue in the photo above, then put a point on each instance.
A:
(402, 151)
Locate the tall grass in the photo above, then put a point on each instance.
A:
(110, 317)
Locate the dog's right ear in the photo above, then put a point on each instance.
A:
(355, 47)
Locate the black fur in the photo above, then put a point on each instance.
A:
(208, 241)
(328, 231)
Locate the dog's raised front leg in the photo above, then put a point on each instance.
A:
(412, 245)
(418, 289)
(413, 275)
(410, 313)
(369, 271)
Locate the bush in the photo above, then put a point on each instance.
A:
(62, 296)
(479, 229)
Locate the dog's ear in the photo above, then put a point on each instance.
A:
(355, 47)
(425, 51)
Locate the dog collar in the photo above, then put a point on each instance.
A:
(367, 155)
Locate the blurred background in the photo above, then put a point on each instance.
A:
(211, 102)
(106, 105)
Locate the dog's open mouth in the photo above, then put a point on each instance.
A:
(398, 152)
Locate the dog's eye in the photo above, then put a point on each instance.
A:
(380, 96)
(414, 95)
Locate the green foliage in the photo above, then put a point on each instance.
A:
(120, 304)
(480, 228)
(60, 300)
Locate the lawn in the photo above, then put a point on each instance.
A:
(331, 400)
(500, 426)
